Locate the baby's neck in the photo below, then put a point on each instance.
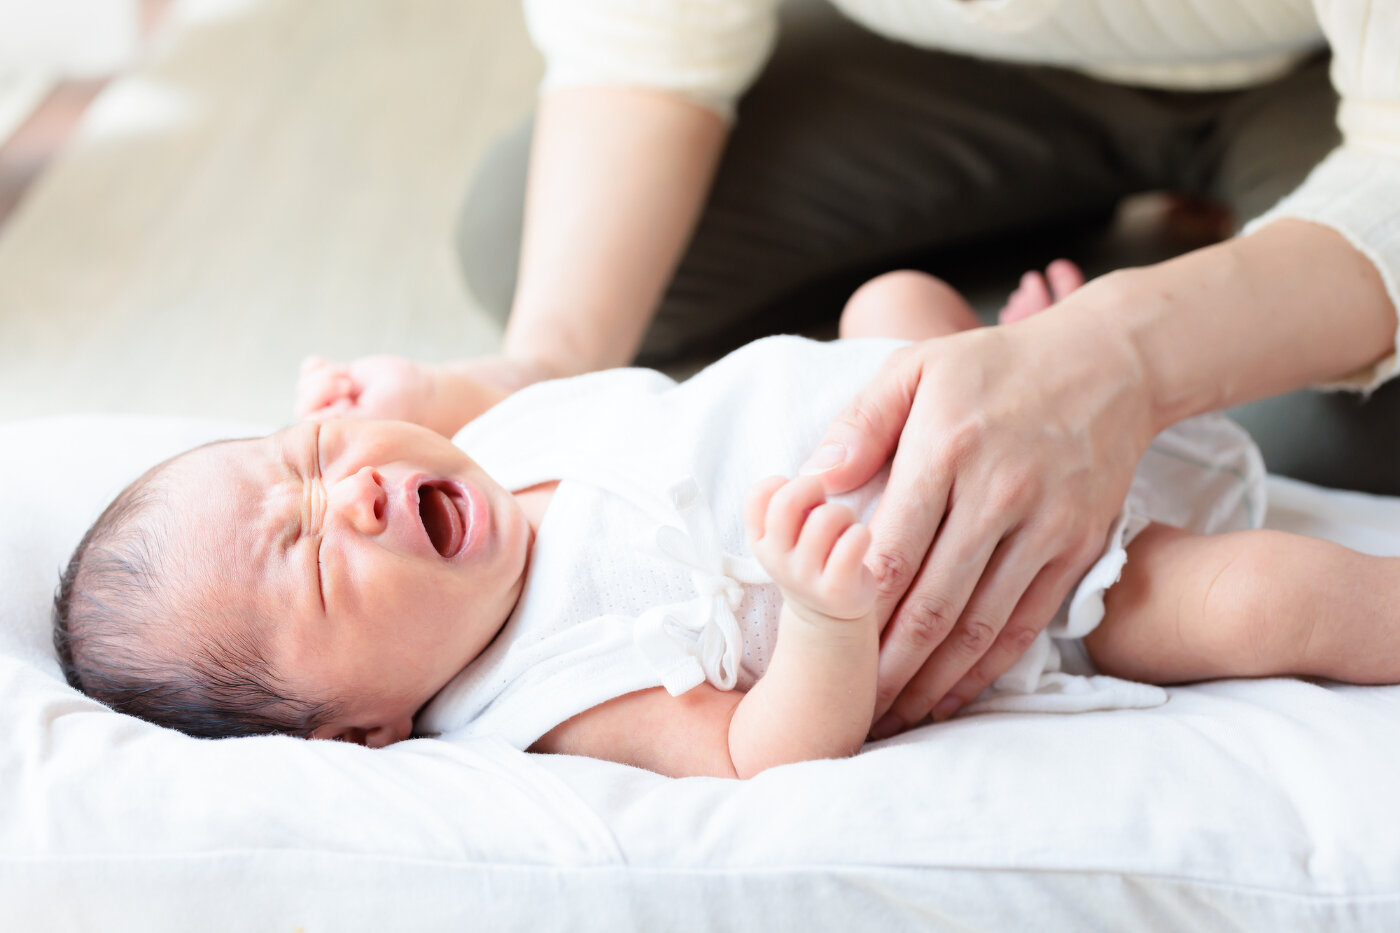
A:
(533, 502)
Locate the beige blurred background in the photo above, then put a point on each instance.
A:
(265, 179)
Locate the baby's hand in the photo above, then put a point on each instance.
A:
(814, 549)
(441, 396)
(371, 387)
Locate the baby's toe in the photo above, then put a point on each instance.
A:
(1032, 297)
(1065, 278)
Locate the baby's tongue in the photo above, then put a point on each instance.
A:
(441, 519)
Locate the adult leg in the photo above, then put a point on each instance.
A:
(1249, 604)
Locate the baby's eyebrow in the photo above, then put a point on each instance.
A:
(301, 464)
(288, 527)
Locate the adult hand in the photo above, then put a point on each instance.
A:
(1013, 449)
(441, 396)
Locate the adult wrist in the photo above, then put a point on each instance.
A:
(1117, 305)
(556, 354)
(1092, 352)
(525, 369)
(1240, 320)
(457, 397)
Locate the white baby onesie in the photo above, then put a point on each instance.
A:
(641, 576)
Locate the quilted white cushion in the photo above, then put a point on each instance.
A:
(1250, 805)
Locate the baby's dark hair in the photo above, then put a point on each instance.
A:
(113, 610)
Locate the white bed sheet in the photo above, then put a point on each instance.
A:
(1238, 805)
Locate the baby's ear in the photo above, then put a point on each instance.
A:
(388, 734)
(371, 737)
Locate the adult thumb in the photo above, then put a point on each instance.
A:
(864, 436)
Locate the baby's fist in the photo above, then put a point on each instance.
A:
(814, 549)
(369, 387)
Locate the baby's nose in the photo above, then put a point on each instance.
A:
(360, 499)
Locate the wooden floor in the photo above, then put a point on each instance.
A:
(278, 177)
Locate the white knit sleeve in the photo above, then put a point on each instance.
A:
(1356, 189)
(710, 51)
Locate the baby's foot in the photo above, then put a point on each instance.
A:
(1038, 292)
(814, 549)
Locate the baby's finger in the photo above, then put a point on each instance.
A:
(848, 554)
(320, 387)
(340, 408)
(788, 509)
(756, 504)
(313, 362)
(819, 533)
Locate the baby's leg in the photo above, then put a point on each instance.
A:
(1249, 604)
(908, 305)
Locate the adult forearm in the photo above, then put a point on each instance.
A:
(617, 180)
(1291, 305)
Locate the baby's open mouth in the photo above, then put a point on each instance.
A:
(442, 520)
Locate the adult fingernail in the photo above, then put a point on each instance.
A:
(945, 708)
(828, 456)
(888, 725)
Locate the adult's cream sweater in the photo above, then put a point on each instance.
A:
(711, 50)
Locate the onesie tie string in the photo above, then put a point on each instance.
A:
(697, 640)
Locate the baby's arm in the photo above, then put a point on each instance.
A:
(816, 699)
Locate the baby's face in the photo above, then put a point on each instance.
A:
(376, 558)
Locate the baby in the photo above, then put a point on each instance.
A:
(583, 583)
